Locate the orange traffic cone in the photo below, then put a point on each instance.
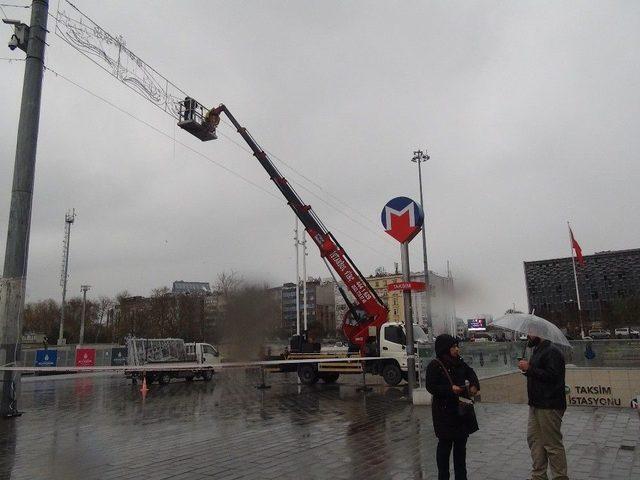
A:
(144, 388)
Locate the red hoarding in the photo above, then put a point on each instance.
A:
(85, 357)
(413, 286)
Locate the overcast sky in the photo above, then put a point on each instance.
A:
(529, 111)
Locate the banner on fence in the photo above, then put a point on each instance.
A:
(46, 358)
(118, 356)
(85, 357)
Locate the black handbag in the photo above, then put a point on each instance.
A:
(465, 405)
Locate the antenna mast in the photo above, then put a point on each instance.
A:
(64, 270)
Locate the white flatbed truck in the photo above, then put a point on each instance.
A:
(168, 358)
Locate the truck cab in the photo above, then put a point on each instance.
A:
(202, 353)
(392, 347)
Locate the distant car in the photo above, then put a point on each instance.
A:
(600, 334)
(634, 332)
(522, 337)
(482, 337)
(622, 332)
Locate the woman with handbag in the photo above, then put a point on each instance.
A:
(453, 384)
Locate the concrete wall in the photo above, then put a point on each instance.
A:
(596, 387)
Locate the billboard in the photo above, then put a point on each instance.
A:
(85, 357)
(477, 324)
(46, 358)
(118, 356)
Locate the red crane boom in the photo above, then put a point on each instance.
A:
(363, 318)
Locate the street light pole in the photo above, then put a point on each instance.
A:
(13, 281)
(84, 289)
(418, 157)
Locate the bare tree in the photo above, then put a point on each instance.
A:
(42, 317)
(228, 282)
(102, 327)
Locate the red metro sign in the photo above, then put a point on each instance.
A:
(402, 218)
(407, 286)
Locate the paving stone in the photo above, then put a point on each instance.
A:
(101, 428)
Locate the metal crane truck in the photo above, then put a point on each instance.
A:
(365, 323)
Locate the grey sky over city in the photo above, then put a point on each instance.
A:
(528, 110)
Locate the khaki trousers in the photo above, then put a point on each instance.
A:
(545, 442)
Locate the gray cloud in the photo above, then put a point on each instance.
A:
(528, 111)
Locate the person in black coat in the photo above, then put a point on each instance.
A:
(452, 421)
(545, 372)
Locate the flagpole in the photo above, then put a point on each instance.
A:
(575, 279)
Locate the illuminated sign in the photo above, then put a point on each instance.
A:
(477, 324)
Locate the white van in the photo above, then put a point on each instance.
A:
(622, 332)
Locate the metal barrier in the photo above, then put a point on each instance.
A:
(604, 353)
(66, 355)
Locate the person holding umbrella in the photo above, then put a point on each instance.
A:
(545, 372)
(452, 383)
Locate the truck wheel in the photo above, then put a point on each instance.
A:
(392, 374)
(207, 375)
(329, 377)
(164, 378)
(307, 374)
(188, 378)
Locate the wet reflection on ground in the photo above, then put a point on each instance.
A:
(101, 427)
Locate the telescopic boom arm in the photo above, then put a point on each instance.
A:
(369, 310)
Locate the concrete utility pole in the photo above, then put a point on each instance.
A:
(83, 289)
(69, 218)
(418, 157)
(13, 282)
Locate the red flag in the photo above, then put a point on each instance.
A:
(577, 248)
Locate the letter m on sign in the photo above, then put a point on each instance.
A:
(402, 218)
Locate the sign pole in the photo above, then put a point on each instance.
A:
(402, 218)
(408, 320)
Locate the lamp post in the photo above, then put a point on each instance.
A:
(83, 289)
(418, 157)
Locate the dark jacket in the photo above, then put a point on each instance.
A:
(545, 377)
(447, 422)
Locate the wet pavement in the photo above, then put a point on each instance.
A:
(99, 427)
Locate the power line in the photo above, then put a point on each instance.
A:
(292, 169)
(110, 53)
(8, 5)
(218, 164)
(309, 191)
(122, 110)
